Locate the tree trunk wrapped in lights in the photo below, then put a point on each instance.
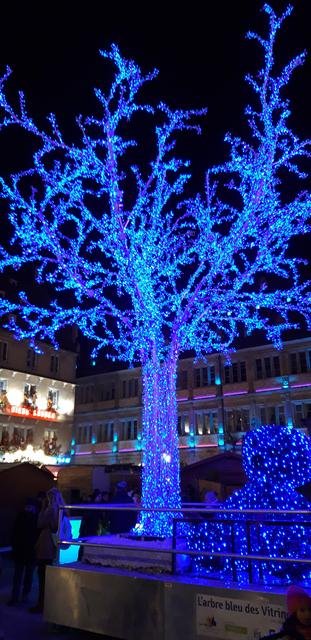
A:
(145, 271)
(160, 479)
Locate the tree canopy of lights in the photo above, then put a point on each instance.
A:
(276, 461)
(149, 271)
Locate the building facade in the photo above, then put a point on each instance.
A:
(36, 397)
(218, 402)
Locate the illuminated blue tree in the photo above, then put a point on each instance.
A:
(147, 272)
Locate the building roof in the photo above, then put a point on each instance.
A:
(226, 468)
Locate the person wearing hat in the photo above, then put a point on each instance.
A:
(211, 499)
(297, 625)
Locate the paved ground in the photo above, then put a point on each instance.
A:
(16, 623)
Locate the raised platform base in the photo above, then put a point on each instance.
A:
(133, 606)
(129, 557)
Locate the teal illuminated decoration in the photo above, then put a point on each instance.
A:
(149, 271)
(191, 439)
(115, 443)
(276, 460)
(139, 442)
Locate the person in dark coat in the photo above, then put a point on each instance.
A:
(45, 546)
(24, 538)
(121, 521)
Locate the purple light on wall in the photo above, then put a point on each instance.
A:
(297, 386)
(206, 446)
(206, 397)
(83, 453)
(235, 393)
(268, 389)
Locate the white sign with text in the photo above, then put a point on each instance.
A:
(231, 619)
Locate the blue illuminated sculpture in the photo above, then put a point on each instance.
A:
(147, 272)
(276, 461)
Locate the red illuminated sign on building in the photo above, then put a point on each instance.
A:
(38, 414)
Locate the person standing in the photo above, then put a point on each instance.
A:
(121, 521)
(211, 500)
(24, 537)
(297, 625)
(45, 546)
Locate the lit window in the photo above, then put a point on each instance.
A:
(53, 399)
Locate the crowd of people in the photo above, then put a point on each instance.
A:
(101, 522)
(33, 545)
(34, 534)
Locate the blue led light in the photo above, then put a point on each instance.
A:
(276, 460)
(148, 273)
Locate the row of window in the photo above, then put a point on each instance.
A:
(31, 358)
(265, 367)
(104, 432)
(29, 398)
(205, 423)
(22, 437)
(17, 438)
(236, 372)
(268, 367)
(88, 393)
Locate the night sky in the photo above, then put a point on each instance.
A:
(200, 51)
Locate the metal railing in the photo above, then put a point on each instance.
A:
(184, 515)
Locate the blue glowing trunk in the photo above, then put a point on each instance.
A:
(160, 477)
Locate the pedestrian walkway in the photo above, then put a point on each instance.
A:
(16, 623)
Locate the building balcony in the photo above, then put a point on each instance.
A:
(268, 385)
(182, 395)
(209, 441)
(205, 393)
(129, 402)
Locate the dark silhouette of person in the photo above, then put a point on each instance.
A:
(91, 519)
(24, 538)
(121, 521)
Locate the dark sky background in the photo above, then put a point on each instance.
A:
(200, 50)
